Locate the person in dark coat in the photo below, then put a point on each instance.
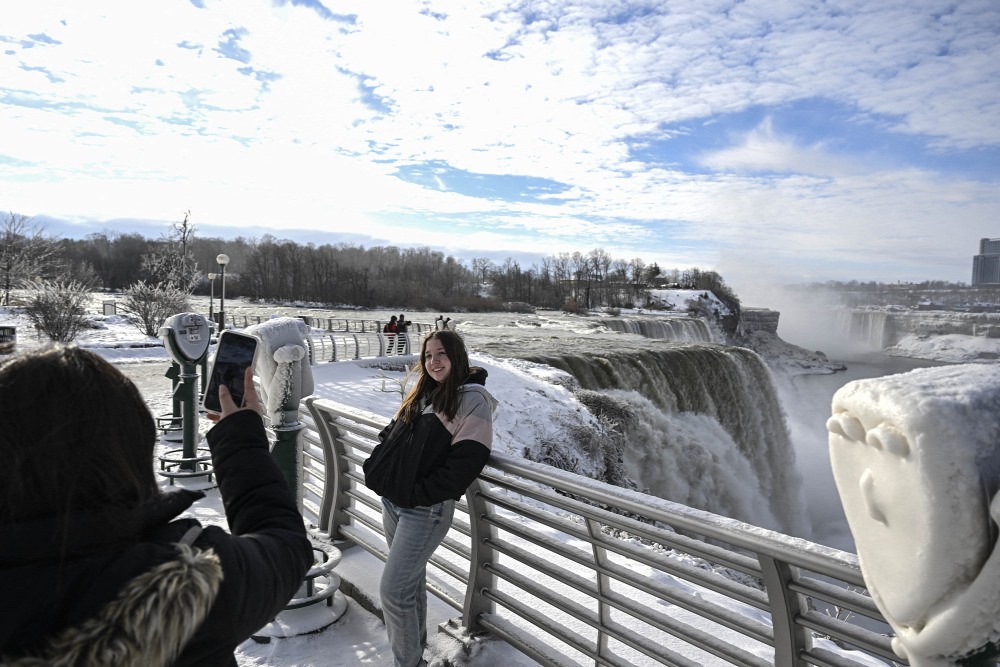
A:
(390, 333)
(427, 457)
(402, 325)
(96, 567)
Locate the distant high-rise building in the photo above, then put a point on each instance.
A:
(986, 265)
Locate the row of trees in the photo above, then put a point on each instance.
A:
(423, 278)
(953, 295)
(269, 269)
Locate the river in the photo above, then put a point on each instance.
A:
(807, 401)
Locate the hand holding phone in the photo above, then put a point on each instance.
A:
(234, 355)
(250, 400)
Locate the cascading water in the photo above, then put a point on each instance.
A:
(873, 328)
(678, 329)
(702, 421)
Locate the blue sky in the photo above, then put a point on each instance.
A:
(773, 141)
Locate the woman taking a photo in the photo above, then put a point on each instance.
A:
(428, 456)
(96, 565)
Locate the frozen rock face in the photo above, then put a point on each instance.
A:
(916, 459)
(283, 367)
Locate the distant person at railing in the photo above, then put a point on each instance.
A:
(95, 566)
(428, 456)
(441, 324)
(391, 327)
(401, 327)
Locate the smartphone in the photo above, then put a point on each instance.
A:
(234, 354)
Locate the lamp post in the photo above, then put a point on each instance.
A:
(211, 299)
(222, 259)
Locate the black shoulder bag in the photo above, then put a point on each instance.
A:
(382, 466)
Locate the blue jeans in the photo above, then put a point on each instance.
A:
(413, 534)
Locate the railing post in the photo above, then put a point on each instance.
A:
(483, 554)
(603, 586)
(310, 350)
(332, 514)
(790, 638)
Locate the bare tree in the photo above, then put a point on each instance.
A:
(600, 265)
(482, 267)
(172, 263)
(618, 275)
(638, 269)
(581, 271)
(26, 253)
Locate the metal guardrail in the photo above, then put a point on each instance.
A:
(333, 324)
(571, 571)
(342, 346)
(328, 324)
(343, 339)
(8, 339)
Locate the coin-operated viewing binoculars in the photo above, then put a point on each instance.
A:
(186, 337)
(285, 379)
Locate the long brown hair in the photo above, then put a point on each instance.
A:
(444, 395)
(77, 436)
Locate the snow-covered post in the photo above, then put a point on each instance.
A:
(285, 379)
(916, 458)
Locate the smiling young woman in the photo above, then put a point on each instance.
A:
(427, 457)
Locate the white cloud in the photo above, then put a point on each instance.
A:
(134, 113)
(763, 150)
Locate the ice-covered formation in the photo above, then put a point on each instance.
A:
(678, 329)
(704, 428)
(916, 458)
(285, 379)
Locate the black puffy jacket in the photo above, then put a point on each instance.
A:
(433, 458)
(93, 602)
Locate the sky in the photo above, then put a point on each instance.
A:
(772, 141)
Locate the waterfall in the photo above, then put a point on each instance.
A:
(678, 329)
(871, 327)
(703, 427)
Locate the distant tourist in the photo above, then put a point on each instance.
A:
(426, 459)
(401, 326)
(96, 566)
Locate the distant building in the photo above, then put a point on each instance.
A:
(986, 265)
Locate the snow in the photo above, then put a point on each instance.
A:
(953, 348)
(537, 406)
(678, 299)
(916, 462)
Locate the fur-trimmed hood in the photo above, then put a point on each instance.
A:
(150, 621)
(140, 588)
